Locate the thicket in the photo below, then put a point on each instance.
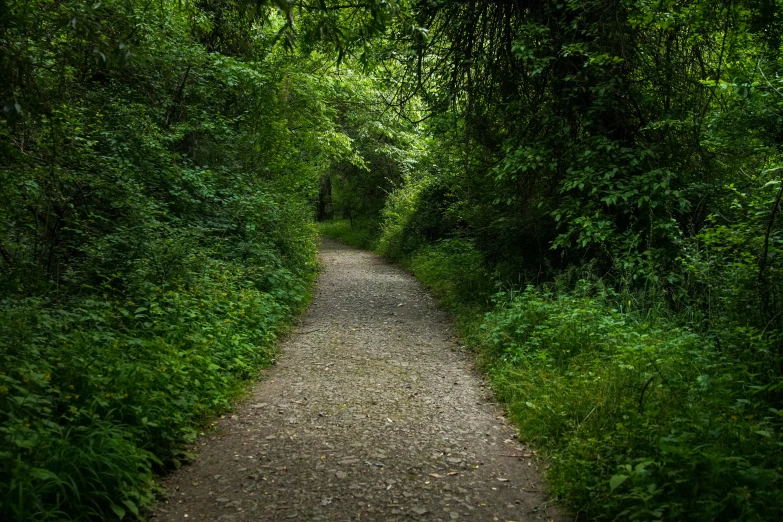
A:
(159, 164)
(599, 205)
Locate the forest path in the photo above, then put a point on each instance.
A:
(371, 396)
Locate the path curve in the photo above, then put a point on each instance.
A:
(373, 412)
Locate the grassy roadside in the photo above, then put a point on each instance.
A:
(640, 418)
(99, 396)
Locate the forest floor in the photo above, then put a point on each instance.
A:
(373, 412)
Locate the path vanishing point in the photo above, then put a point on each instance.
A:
(373, 412)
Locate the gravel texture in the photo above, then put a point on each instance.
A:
(373, 412)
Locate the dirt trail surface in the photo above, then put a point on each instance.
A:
(373, 412)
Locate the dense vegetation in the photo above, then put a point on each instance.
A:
(599, 204)
(593, 187)
(158, 167)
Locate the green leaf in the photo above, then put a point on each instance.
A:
(132, 506)
(43, 474)
(616, 481)
(120, 512)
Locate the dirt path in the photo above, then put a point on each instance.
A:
(372, 413)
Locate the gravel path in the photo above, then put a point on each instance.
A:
(373, 412)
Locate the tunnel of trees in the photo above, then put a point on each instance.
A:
(591, 187)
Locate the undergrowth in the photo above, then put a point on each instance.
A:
(362, 234)
(97, 396)
(156, 237)
(643, 420)
(640, 417)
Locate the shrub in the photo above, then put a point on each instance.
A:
(453, 269)
(97, 395)
(643, 420)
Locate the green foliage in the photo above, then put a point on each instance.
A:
(639, 416)
(453, 269)
(157, 167)
(731, 270)
(387, 149)
(417, 213)
(97, 396)
(361, 235)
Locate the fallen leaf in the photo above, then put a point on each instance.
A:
(399, 304)
(502, 479)
(452, 473)
(435, 475)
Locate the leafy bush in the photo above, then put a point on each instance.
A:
(643, 420)
(454, 270)
(155, 236)
(98, 394)
(418, 213)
